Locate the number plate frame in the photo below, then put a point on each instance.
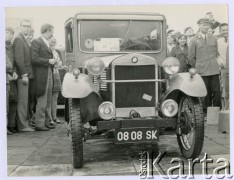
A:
(147, 135)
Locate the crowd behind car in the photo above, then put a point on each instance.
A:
(32, 79)
(208, 54)
(33, 82)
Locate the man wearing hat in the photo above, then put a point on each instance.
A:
(203, 57)
(213, 23)
(25, 72)
(43, 62)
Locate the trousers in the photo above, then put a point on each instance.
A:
(43, 107)
(22, 105)
(54, 104)
(213, 97)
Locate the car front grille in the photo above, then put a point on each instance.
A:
(135, 94)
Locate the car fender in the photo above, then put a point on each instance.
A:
(77, 88)
(194, 86)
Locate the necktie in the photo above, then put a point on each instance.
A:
(205, 39)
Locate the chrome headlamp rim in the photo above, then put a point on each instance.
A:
(111, 115)
(164, 105)
(170, 62)
(98, 62)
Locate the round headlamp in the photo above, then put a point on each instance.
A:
(169, 108)
(95, 66)
(171, 65)
(106, 110)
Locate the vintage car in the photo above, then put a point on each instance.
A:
(119, 79)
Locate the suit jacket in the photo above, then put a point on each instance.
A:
(40, 59)
(22, 56)
(203, 55)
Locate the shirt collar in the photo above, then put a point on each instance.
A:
(25, 36)
(203, 35)
(45, 41)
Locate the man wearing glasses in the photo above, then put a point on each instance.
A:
(25, 72)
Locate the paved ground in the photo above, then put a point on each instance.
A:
(49, 154)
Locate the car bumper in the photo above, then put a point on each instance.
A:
(137, 123)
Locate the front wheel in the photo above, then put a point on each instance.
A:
(191, 127)
(76, 126)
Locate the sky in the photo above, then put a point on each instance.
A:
(178, 16)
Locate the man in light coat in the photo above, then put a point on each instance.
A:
(203, 57)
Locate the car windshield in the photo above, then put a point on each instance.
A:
(120, 36)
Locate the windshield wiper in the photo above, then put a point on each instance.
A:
(126, 33)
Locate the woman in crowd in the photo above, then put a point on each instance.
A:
(8, 79)
(57, 82)
(12, 99)
(180, 51)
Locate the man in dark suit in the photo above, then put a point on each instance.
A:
(203, 57)
(25, 72)
(43, 62)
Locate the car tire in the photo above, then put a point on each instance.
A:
(76, 133)
(190, 134)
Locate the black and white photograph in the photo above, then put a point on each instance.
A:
(137, 91)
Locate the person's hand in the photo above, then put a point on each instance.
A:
(10, 78)
(25, 79)
(52, 61)
(58, 63)
(15, 76)
(66, 68)
(222, 65)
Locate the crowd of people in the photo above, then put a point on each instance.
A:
(32, 79)
(208, 54)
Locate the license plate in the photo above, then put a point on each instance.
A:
(136, 135)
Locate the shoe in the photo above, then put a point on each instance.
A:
(28, 129)
(42, 129)
(57, 121)
(52, 122)
(50, 127)
(32, 123)
(9, 132)
(13, 130)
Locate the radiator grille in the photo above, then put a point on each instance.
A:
(136, 94)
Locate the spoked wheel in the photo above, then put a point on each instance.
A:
(76, 126)
(191, 128)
